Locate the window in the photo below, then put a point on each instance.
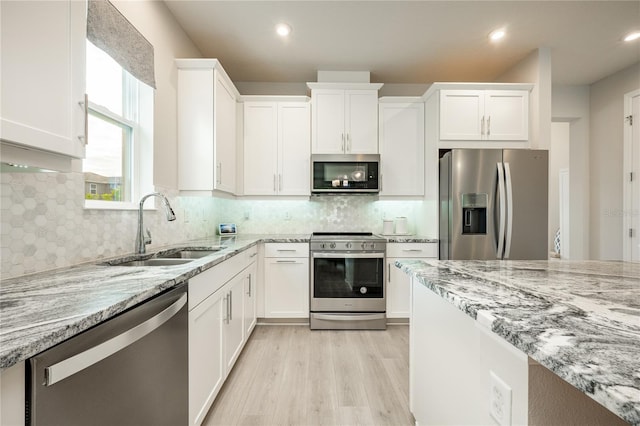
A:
(117, 167)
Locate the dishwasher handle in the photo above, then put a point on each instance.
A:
(72, 365)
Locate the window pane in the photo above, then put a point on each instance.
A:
(104, 79)
(106, 165)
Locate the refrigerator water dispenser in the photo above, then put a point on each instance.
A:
(474, 213)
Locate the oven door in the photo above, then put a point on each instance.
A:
(347, 282)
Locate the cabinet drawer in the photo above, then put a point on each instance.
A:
(429, 250)
(286, 250)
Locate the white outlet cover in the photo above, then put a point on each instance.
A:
(499, 400)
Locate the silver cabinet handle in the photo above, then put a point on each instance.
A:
(274, 182)
(70, 366)
(230, 306)
(226, 314)
(482, 126)
(348, 142)
(286, 250)
(488, 125)
(280, 182)
(389, 273)
(286, 261)
(411, 249)
(85, 105)
(253, 254)
(342, 147)
(249, 293)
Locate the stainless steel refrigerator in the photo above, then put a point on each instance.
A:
(493, 204)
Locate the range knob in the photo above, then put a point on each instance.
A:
(332, 245)
(373, 246)
(323, 245)
(348, 245)
(363, 245)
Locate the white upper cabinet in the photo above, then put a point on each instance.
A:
(207, 137)
(492, 115)
(43, 75)
(344, 120)
(277, 145)
(402, 146)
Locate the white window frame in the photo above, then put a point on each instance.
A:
(141, 161)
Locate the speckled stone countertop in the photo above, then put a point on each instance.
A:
(581, 320)
(38, 311)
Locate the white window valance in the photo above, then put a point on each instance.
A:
(109, 30)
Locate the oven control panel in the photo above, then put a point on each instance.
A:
(348, 246)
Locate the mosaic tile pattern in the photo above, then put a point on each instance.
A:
(44, 226)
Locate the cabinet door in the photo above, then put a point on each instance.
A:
(286, 287)
(250, 288)
(461, 114)
(234, 317)
(43, 75)
(402, 148)
(261, 148)
(294, 148)
(328, 121)
(225, 136)
(398, 291)
(196, 170)
(206, 370)
(361, 121)
(507, 115)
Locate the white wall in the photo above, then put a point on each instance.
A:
(606, 164)
(536, 69)
(571, 104)
(155, 22)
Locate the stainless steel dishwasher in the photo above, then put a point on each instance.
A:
(129, 370)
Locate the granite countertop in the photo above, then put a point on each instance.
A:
(41, 310)
(581, 320)
(396, 238)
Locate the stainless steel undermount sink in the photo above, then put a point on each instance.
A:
(190, 253)
(171, 257)
(155, 262)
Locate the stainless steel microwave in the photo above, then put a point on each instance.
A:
(343, 174)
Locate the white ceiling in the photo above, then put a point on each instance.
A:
(411, 41)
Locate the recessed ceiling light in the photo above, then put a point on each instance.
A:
(283, 30)
(632, 36)
(497, 34)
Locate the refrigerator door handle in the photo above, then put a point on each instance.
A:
(502, 216)
(507, 173)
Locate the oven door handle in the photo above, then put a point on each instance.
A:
(325, 255)
(342, 317)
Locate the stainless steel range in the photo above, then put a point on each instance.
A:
(347, 281)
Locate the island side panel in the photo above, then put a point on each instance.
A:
(452, 358)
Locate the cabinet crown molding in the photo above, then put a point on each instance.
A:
(345, 86)
(475, 86)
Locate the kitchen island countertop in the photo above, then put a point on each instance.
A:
(581, 320)
(41, 310)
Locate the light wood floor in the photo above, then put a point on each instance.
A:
(290, 375)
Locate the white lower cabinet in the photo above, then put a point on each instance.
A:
(286, 277)
(398, 283)
(219, 309)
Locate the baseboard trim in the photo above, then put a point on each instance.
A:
(283, 321)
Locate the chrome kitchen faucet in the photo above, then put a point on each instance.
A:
(141, 239)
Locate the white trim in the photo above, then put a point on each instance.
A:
(627, 167)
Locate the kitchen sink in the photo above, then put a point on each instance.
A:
(190, 253)
(155, 262)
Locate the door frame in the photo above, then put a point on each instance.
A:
(627, 167)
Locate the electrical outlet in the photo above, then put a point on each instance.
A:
(499, 400)
(287, 216)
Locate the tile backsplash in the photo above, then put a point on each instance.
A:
(45, 226)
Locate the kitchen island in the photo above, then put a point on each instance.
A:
(580, 320)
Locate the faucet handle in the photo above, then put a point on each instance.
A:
(147, 239)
